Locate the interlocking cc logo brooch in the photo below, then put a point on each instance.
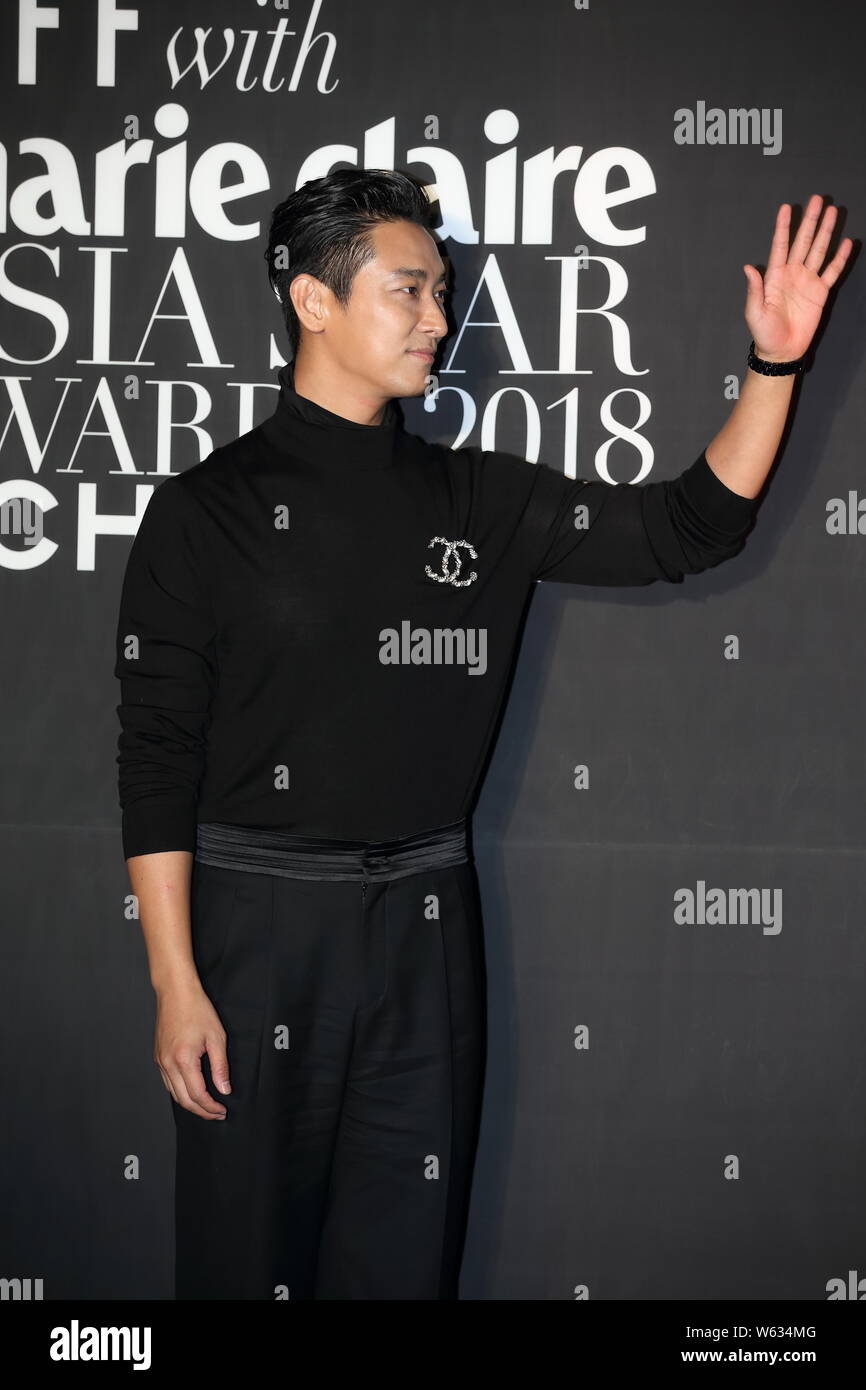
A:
(452, 564)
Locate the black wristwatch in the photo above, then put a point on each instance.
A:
(758, 364)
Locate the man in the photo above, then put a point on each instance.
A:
(316, 630)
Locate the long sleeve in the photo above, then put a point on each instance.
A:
(592, 532)
(166, 665)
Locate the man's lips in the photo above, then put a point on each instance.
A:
(421, 352)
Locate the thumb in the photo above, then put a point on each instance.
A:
(755, 284)
(219, 1066)
(754, 291)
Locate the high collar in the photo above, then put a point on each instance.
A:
(308, 431)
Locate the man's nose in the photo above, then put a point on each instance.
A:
(433, 321)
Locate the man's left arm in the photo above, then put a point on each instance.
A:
(590, 532)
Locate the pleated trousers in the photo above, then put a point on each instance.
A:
(355, 1015)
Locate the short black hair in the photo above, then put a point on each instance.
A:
(323, 229)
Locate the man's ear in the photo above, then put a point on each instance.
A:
(309, 298)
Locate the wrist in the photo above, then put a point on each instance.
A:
(175, 980)
(771, 356)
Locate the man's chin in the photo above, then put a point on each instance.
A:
(419, 375)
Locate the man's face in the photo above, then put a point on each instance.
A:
(395, 317)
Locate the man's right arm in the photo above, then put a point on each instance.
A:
(166, 665)
(187, 1023)
(161, 883)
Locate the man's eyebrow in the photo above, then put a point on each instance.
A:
(416, 272)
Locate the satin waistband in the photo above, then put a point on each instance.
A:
(261, 851)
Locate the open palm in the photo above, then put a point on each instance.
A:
(783, 309)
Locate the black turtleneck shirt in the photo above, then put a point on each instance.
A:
(306, 640)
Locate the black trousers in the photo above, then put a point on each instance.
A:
(355, 1014)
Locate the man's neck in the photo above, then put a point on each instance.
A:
(349, 397)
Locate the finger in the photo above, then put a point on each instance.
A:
(818, 249)
(219, 1067)
(197, 1090)
(834, 269)
(805, 231)
(187, 1102)
(779, 245)
(190, 1085)
(167, 1084)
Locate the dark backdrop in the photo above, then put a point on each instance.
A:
(673, 1109)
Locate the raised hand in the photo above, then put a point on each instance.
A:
(783, 309)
